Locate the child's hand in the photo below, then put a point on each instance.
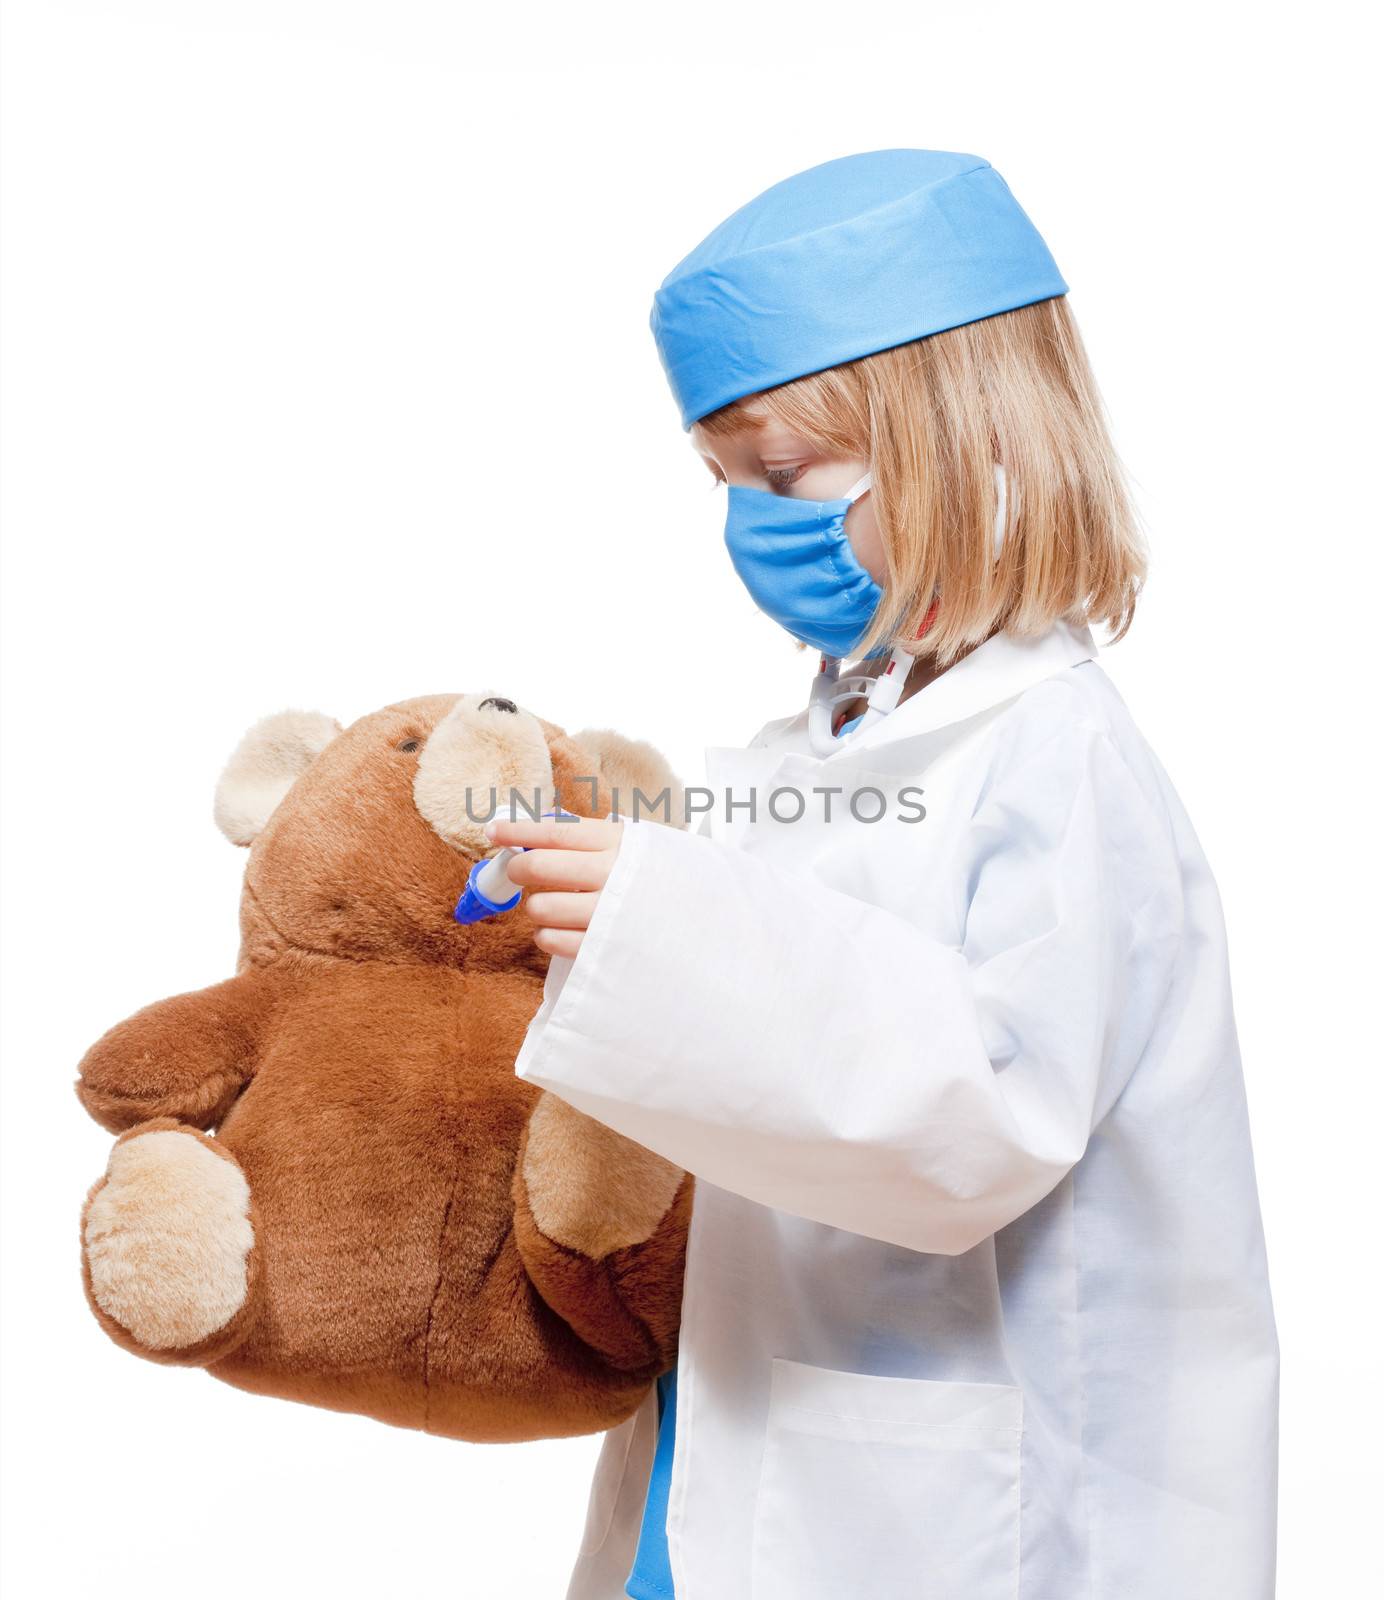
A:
(563, 873)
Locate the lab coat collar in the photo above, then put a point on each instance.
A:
(992, 673)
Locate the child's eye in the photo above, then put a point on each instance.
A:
(782, 477)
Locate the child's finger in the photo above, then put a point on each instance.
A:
(561, 910)
(585, 833)
(560, 869)
(558, 941)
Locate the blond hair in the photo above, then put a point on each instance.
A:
(933, 417)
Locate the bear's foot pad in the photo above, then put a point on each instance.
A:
(168, 1238)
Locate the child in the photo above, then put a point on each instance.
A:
(937, 1010)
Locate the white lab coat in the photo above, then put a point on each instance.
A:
(976, 1299)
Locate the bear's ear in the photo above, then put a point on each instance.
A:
(264, 766)
(625, 765)
(485, 753)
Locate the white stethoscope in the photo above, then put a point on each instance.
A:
(830, 691)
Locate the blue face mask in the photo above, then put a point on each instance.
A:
(796, 561)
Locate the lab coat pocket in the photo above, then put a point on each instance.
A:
(891, 1488)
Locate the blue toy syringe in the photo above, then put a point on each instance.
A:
(489, 890)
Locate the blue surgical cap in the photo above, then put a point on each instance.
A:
(847, 258)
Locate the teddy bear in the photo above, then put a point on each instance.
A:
(330, 1186)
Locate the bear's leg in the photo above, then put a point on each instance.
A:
(601, 1225)
(168, 1246)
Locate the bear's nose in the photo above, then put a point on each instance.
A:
(499, 703)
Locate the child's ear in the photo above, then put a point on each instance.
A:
(626, 765)
(264, 766)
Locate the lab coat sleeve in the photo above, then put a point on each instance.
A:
(823, 1056)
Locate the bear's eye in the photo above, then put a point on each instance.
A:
(500, 703)
(409, 745)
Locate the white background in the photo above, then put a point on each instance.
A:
(329, 383)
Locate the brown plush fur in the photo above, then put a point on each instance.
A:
(359, 1071)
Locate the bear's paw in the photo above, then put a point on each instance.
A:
(168, 1242)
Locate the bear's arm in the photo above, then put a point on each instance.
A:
(187, 1057)
(601, 1225)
